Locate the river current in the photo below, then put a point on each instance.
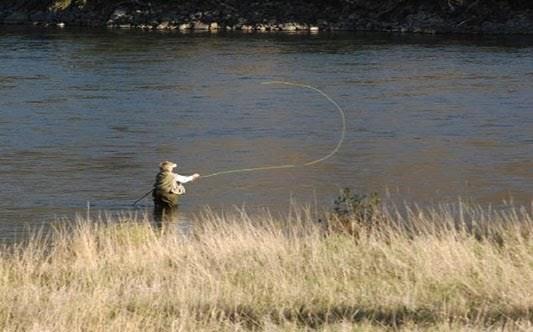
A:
(87, 115)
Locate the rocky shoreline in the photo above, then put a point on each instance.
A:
(419, 16)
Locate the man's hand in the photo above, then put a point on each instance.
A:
(195, 176)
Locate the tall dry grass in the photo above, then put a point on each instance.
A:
(441, 269)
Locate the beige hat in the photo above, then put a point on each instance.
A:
(167, 166)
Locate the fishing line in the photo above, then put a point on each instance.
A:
(309, 163)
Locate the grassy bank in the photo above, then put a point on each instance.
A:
(443, 270)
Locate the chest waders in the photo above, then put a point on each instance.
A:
(162, 192)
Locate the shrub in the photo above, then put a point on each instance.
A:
(352, 212)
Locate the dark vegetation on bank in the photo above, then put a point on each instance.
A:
(427, 16)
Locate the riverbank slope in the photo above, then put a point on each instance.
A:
(425, 16)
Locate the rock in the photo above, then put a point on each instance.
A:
(118, 13)
(288, 27)
(207, 16)
(60, 25)
(213, 26)
(185, 26)
(197, 25)
(314, 28)
(163, 25)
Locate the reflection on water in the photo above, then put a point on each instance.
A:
(87, 115)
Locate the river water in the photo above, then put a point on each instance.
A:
(87, 115)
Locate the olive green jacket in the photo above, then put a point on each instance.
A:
(164, 184)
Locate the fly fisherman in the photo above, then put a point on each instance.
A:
(167, 189)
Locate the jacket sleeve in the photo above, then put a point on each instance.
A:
(182, 178)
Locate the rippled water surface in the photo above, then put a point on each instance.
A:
(86, 116)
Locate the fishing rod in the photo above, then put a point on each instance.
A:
(306, 164)
(142, 197)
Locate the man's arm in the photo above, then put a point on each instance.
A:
(185, 179)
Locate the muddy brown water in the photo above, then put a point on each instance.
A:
(86, 115)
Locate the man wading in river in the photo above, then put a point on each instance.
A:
(167, 189)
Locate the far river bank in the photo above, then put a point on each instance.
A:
(418, 16)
